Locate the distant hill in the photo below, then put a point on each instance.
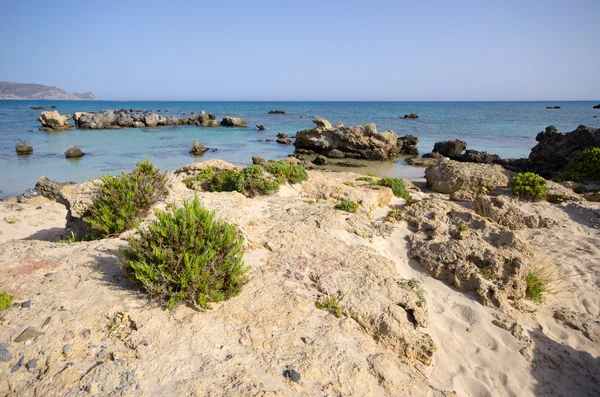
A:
(38, 91)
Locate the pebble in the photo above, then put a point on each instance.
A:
(18, 365)
(31, 364)
(292, 375)
(86, 332)
(100, 354)
(69, 335)
(5, 354)
(308, 340)
(28, 334)
(26, 304)
(66, 348)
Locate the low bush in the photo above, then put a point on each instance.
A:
(397, 186)
(348, 183)
(347, 205)
(463, 227)
(6, 300)
(529, 186)
(585, 167)
(122, 199)
(286, 172)
(394, 216)
(365, 179)
(187, 256)
(535, 288)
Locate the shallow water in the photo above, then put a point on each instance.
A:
(505, 128)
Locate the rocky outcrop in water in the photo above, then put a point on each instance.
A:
(73, 152)
(233, 122)
(474, 156)
(408, 145)
(111, 119)
(361, 141)
(54, 121)
(23, 148)
(276, 112)
(452, 149)
(410, 116)
(198, 148)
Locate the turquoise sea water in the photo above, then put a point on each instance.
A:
(505, 128)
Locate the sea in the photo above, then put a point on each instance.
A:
(504, 128)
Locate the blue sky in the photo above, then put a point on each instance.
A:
(306, 50)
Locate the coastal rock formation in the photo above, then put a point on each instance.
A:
(73, 152)
(452, 149)
(54, 121)
(509, 212)
(361, 141)
(38, 92)
(410, 116)
(482, 257)
(276, 112)
(408, 145)
(260, 127)
(596, 106)
(258, 160)
(555, 150)
(233, 122)
(462, 181)
(50, 189)
(557, 193)
(23, 148)
(198, 148)
(474, 156)
(123, 119)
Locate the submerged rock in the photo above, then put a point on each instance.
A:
(362, 141)
(23, 148)
(74, 152)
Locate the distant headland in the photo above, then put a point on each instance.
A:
(38, 91)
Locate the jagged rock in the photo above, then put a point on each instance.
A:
(54, 121)
(434, 155)
(198, 148)
(282, 135)
(28, 195)
(474, 156)
(462, 181)
(555, 150)
(452, 149)
(361, 141)
(515, 165)
(507, 212)
(233, 122)
(557, 193)
(276, 112)
(335, 154)
(410, 116)
(151, 120)
(97, 121)
(74, 152)
(284, 141)
(320, 160)
(583, 322)
(78, 200)
(27, 334)
(50, 189)
(22, 148)
(408, 145)
(260, 127)
(258, 160)
(484, 258)
(125, 120)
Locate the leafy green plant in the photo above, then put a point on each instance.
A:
(463, 227)
(348, 183)
(74, 238)
(397, 186)
(331, 304)
(394, 216)
(372, 174)
(6, 300)
(187, 256)
(365, 179)
(286, 172)
(535, 288)
(529, 186)
(122, 199)
(585, 167)
(415, 286)
(250, 181)
(204, 174)
(347, 205)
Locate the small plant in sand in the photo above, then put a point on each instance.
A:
(463, 227)
(414, 285)
(6, 300)
(75, 238)
(535, 288)
(348, 183)
(585, 167)
(286, 172)
(367, 179)
(187, 256)
(529, 186)
(331, 304)
(122, 199)
(394, 216)
(347, 205)
(396, 184)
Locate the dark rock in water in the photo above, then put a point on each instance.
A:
(50, 189)
(410, 116)
(423, 161)
(3, 114)
(260, 127)
(304, 151)
(335, 154)
(361, 141)
(135, 110)
(22, 148)
(198, 148)
(28, 194)
(320, 160)
(555, 150)
(74, 152)
(597, 106)
(284, 141)
(350, 165)
(53, 106)
(233, 122)
(268, 140)
(36, 107)
(452, 149)
(408, 145)
(276, 112)
(433, 155)
(5, 354)
(292, 375)
(474, 156)
(552, 107)
(282, 135)
(212, 116)
(258, 160)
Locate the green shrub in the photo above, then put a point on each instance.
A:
(331, 304)
(394, 216)
(187, 256)
(6, 300)
(204, 174)
(529, 186)
(250, 181)
(347, 205)
(397, 186)
(585, 167)
(74, 238)
(122, 199)
(463, 227)
(372, 174)
(348, 183)
(365, 179)
(535, 288)
(286, 172)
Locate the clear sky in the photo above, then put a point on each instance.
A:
(306, 50)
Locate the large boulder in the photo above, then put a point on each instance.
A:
(408, 145)
(555, 149)
(125, 120)
(50, 189)
(233, 122)
(23, 148)
(361, 141)
(198, 148)
(54, 121)
(73, 152)
(462, 181)
(96, 121)
(452, 149)
(474, 156)
(151, 120)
